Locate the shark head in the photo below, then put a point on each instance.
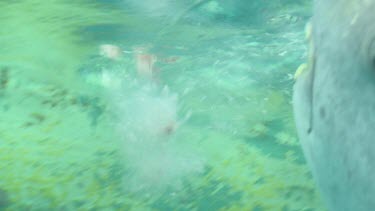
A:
(334, 103)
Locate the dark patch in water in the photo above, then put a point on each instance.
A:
(117, 33)
(4, 200)
(92, 106)
(105, 32)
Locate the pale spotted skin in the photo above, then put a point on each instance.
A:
(334, 103)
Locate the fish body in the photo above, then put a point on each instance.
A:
(334, 103)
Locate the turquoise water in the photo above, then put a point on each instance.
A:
(120, 105)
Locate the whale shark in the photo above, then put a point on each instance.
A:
(334, 103)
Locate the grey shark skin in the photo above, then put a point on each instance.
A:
(334, 104)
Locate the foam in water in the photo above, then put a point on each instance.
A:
(149, 125)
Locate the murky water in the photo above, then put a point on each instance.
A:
(123, 105)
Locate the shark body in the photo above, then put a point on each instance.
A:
(334, 103)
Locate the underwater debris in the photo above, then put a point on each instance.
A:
(145, 63)
(170, 60)
(110, 51)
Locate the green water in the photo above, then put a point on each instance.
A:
(212, 129)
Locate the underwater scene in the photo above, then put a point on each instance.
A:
(152, 105)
